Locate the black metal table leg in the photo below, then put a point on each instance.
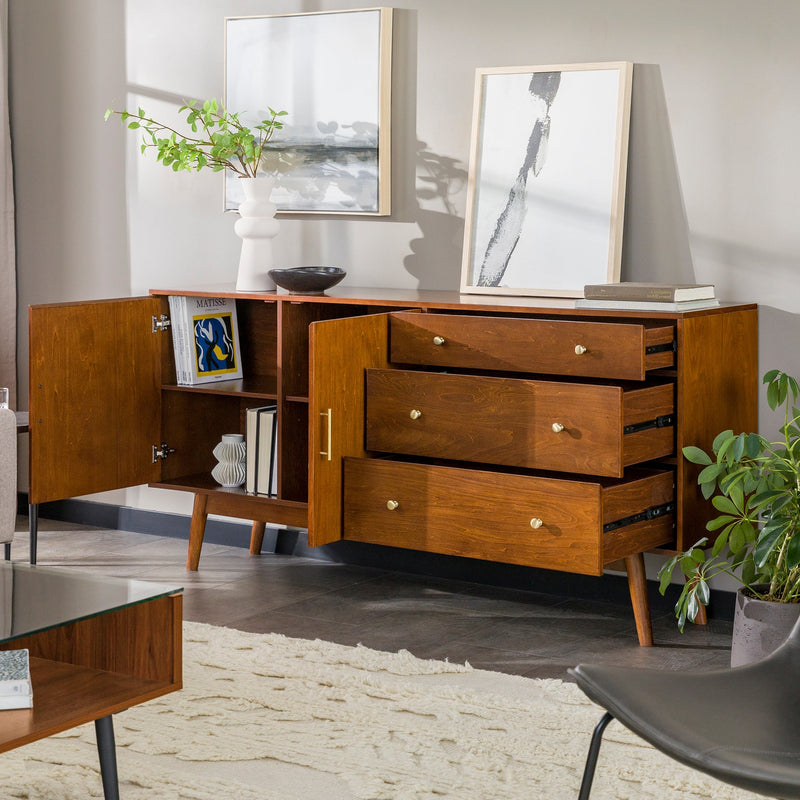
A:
(33, 527)
(106, 749)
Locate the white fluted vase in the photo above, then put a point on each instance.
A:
(256, 227)
(230, 453)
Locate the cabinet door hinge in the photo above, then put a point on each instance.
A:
(161, 452)
(643, 516)
(160, 323)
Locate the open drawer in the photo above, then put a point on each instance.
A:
(570, 525)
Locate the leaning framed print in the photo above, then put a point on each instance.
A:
(546, 190)
(331, 73)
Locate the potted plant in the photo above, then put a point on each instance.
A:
(754, 484)
(218, 140)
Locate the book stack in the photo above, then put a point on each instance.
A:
(261, 435)
(15, 680)
(633, 296)
(205, 339)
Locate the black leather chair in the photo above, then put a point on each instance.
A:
(740, 725)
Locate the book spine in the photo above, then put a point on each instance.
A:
(251, 440)
(16, 701)
(13, 688)
(177, 345)
(615, 291)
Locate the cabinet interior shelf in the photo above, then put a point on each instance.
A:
(259, 388)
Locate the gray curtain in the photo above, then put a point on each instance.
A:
(8, 278)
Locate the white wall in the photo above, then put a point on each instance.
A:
(713, 167)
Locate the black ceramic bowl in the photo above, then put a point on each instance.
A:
(307, 280)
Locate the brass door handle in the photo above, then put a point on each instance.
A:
(536, 523)
(415, 413)
(579, 349)
(392, 505)
(438, 340)
(329, 430)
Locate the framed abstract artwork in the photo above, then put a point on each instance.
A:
(331, 73)
(546, 192)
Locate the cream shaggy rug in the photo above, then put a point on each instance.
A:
(265, 717)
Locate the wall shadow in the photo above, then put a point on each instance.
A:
(656, 234)
(436, 255)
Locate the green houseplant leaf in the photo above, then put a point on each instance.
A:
(754, 484)
(217, 140)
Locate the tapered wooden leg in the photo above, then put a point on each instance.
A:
(257, 537)
(637, 583)
(197, 530)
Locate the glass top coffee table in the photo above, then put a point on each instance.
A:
(97, 646)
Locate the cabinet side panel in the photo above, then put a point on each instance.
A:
(718, 378)
(94, 396)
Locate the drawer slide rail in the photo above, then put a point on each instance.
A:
(643, 516)
(664, 421)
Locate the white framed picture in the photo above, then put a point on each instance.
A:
(546, 193)
(331, 72)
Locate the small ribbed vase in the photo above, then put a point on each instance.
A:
(256, 227)
(230, 452)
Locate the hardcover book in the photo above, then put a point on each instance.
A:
(205, 338)
(646, 305)
(649, 292)
(15, 680)
(261, 437)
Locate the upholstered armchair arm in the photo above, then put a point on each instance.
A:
(8, 474)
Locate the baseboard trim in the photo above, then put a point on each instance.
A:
(608, 588)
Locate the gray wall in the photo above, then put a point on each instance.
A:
(714, 159)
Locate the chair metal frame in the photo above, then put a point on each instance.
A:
(739, 725)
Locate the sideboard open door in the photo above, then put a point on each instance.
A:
(340, 351)
(95, 389)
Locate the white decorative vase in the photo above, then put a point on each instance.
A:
(230, 452)
(256, 227)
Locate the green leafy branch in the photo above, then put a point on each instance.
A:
(755, 485)
(219, 139)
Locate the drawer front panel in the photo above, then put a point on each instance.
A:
(515, 519)
(622, 351)
(520, 423)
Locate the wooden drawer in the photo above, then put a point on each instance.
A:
(511, 421)
(516, 519)
(622, 351)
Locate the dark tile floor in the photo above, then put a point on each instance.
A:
(512, 631)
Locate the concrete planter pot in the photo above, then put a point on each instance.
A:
(759, 627)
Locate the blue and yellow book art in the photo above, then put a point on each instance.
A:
(215, 348)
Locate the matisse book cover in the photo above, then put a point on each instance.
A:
(210, 329)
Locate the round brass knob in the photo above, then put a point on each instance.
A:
(557, 427)
(579, 349)
(392, 504)
(536, 523)
(415, 413)
(438, 340)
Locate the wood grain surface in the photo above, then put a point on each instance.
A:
(521, 344)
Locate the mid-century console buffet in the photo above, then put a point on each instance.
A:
(516, 430)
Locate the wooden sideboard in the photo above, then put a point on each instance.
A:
(517, 430)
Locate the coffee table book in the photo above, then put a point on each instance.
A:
(649, 292)
(646, 305)
(15, 680)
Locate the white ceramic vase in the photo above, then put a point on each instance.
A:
(230, 453)
(256, 227)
